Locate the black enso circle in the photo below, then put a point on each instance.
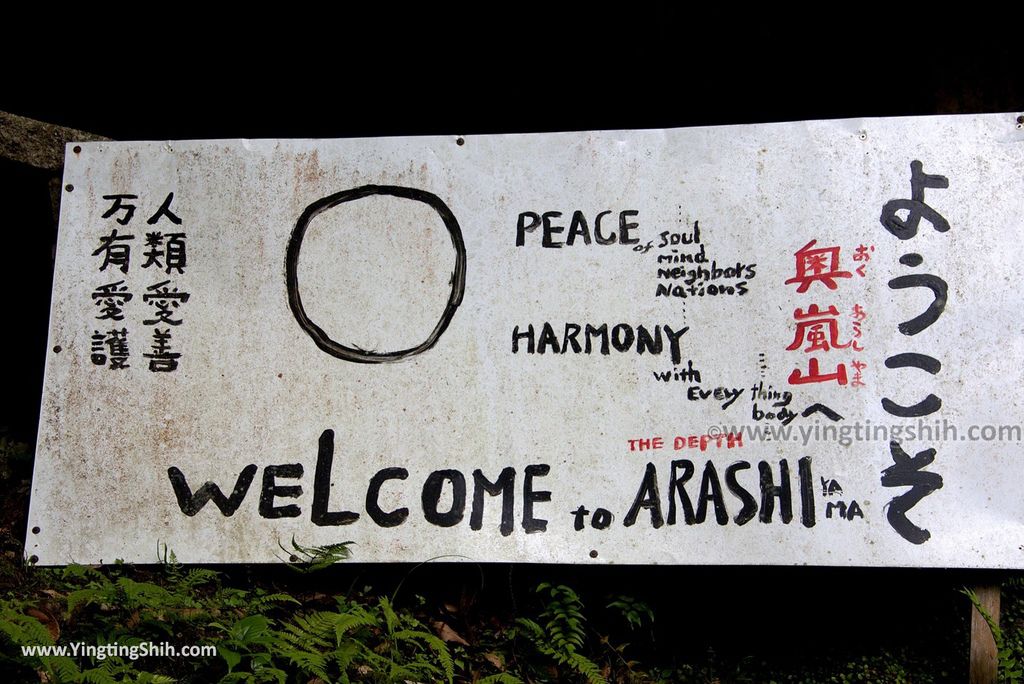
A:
(354, 354)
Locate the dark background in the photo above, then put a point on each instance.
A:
(604, 75)
(328, 78)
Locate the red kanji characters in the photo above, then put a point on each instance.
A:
(811, 326)
(815, 375)
(820, 264)
(815, 327)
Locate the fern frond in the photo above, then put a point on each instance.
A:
(62, 668)
(84, 597)
(309, 663)
(23, 629)
(197, 577)
(304, 631)
(150, 678)
(586, 667)
(96, 675)
(266, 601)
(82, 572)
(347, 622)
(146, 594)
(390, 618)
(531, 627)
(436, 645)
(344, 655)
(500, 678)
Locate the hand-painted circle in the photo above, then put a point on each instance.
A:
(354, 354)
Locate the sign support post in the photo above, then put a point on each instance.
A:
(984, 652)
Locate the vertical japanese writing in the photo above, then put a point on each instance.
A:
(165, 298)
(817, 327)
(110, 346)
(163, 251)
(858, 314)
(907, 470)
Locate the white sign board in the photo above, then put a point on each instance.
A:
(773, 344)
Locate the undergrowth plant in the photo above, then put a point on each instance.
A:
(362, 643)
(363, 639)
(312, 558)
(559, 632)
(264, 633)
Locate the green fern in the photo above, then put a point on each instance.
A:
(585, 667)
(564, 618)
(561, 634)
(199, 577)
(356, 617)
(500, 678)
(78, 573)
(264, 602)
(20, 628)
(310, 663)
(96, 676)
(435, 644)
(23, 630)
(311, 642)
(148, 595)
(635, 612)
(353, 640)
(61, 668)
(149, 678)
(316, 628)
(312, 558)
(88, 596)
(390, 617)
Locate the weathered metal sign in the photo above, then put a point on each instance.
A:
(773, 344)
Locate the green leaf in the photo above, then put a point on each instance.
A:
(390, 618)
(247, 629)
(230, 657)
